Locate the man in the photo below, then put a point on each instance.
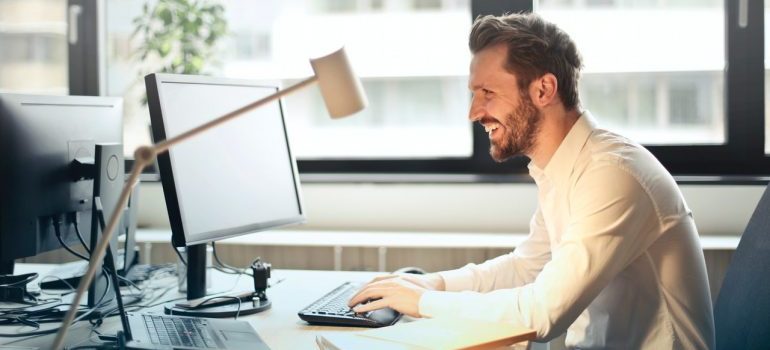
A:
(613, 256)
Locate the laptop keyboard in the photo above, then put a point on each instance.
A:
(178, 331)
(332, 309)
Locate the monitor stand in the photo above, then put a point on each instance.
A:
(217, 307)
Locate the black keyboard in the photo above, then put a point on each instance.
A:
(179, 331)
(332, 309)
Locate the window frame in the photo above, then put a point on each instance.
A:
(740, 160)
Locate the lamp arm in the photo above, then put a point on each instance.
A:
(144, 156)
(164, 145)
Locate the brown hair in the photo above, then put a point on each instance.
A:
(535, 47)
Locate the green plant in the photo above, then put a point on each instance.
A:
(179, 36)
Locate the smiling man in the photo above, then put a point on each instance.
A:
(612, 257)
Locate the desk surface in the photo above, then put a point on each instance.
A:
(279, 327)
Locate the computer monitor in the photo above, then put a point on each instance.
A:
(40, 136)
(238, 178)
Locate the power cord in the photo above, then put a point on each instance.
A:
(179, 255)
(75, 218)
(56, 220)
(225, 267)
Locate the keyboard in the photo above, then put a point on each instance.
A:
(332, 309)
(179, 331)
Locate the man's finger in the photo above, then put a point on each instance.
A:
(383, 284)
(359, 295)
(374, 281)
(383, 277)
(373, 305)
(369, 293)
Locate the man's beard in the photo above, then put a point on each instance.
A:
(521, 127)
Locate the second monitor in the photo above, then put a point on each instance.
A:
(236, 179)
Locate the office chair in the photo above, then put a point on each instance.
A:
(742, 310)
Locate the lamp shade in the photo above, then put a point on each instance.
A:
(340, 87)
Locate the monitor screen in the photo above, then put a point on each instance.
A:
(237, 178)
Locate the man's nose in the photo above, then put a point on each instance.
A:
(476, 111)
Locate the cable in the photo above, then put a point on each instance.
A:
(130, 283)
(56, 222)
(216, 258)
(224, 266)
(40, 284)
(80, 236)
(179, 255)
(237, 312)
(54, 330)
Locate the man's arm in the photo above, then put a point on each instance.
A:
(507, 271)
(611, 216)
(514, 269)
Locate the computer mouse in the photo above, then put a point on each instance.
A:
(410, 269)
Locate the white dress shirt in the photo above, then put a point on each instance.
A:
(612, 258)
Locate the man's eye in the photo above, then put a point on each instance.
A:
(486, 92)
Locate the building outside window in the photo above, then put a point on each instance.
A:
(654, 69)
(33, 47)
(411, 55)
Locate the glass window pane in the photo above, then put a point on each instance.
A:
(33, 47)
(417, 92)
(654, 70)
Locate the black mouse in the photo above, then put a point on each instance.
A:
(410, 269)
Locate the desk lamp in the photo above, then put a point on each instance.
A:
(341, 91)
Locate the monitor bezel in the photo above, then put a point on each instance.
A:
(179, 237)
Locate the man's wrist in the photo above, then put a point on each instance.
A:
(436, 281)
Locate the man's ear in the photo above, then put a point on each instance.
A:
(544, 90)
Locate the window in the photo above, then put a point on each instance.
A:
(681, 76)
(659, 85)
(417, 93)
(33, 46)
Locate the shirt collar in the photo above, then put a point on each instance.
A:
(563, 160)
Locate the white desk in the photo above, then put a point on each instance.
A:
(279, 327)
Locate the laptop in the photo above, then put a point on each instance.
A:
(148, 331)
(155, 331)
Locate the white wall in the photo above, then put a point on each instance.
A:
(718, 209)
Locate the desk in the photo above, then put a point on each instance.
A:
(279, 327)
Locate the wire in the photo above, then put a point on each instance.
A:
(237, 312)
(40, 284)
(99, 304)
(80, 237)
(130, 283)
(179, 255)
(57, 230)
(224, 266)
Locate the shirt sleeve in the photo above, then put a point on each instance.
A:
(514, 269)
(611, 223)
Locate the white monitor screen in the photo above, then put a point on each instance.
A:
(237, 178)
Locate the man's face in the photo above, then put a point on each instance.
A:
(506, 112)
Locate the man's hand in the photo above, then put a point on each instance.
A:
(399, 292)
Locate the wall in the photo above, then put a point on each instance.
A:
(718, 209)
